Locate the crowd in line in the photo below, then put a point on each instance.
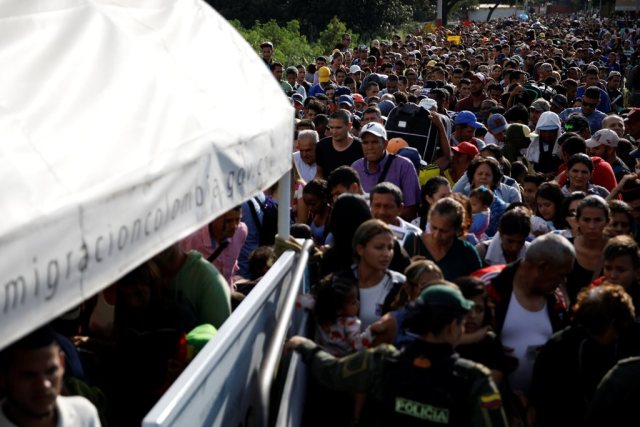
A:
(475, 209)
(523, 197)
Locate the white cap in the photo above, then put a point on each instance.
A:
(428, 103)
(603, 137)
(354, 69)
(374, 128)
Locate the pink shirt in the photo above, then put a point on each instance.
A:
(227, 261)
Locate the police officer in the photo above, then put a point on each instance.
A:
(424, 384)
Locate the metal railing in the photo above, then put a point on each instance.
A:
(274, 351)
(229, 382)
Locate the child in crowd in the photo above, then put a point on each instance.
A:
(621, 266)
(549, 199)
(481, 199)
(338, 325)
(419, 274)
(316, 198)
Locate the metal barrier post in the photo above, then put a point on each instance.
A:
(277, 340)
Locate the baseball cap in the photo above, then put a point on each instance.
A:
(497, 123)
(425, 91)
(477, 76)
(292, 70)
(445, 296)
(540, 105)
(355, 69)
(576, 123)
(266, 43)
(466, 148)
(386, 106)
(428, 103)
(198, 337)
(345, 99)
(413, 155)
(559, 100)
(374, 128)
(297, 97)
(603, 137)
(431, 63)
(342, 90)
(466, 117)
(324, 74)
(396, 144)
(357, 98)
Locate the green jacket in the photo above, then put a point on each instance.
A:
(474, 401)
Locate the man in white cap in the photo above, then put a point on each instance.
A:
(603, 144)
(378, 166)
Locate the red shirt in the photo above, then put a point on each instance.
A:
(467, 103)
(602, 174)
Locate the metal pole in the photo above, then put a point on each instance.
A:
(284, 201)
(272, 356)
(439, 14)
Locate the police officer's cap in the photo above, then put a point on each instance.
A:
(445, 296)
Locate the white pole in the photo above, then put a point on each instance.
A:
(439, 15)
(284, 201)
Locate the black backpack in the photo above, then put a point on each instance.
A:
(268, 227)
(411, 122)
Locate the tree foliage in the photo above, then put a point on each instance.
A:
(332, 34)
(323, 21)
(291, 47)
(367, 17)
(424, 10)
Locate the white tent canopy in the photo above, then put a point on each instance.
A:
(124, 126)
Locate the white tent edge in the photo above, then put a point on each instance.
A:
(67, 255)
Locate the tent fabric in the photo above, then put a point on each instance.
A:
(124, 126)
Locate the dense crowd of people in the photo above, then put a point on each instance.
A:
(501, 174)
(474, 199)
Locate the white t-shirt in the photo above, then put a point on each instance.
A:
(307, 172)
(372, 301)
(490, 139)
(73, 411)
(525, 332)
(494, 254)
(401, 232)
